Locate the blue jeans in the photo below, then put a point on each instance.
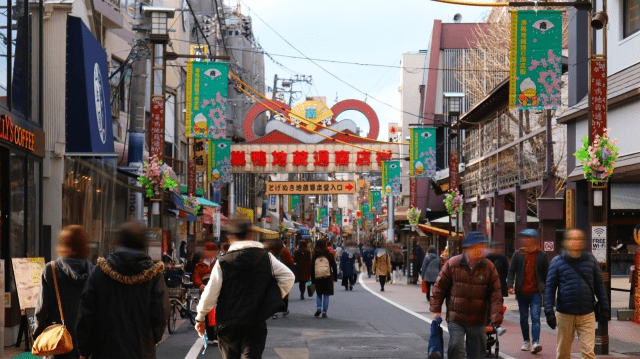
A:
(476, 342)
(322, 302)
(532, 303)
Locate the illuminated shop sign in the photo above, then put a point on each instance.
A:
(16, 135)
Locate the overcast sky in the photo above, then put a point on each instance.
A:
(374, 31)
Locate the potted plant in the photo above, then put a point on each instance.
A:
(413, 216)
(598, 160)
(193, 202)
(453, 201)
(156, 177)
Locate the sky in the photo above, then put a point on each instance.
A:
(372, 32)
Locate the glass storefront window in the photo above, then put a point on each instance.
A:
(17, 210)
(33, 206)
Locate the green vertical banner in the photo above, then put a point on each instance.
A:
(535, 78)
(422, 155)
(294, 204)
(207, 91)
(338, 220)
(219, 162)
(391, 177)
(364, 207)
(375, 201)
(322, 212)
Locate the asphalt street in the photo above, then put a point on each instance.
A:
(359, 325)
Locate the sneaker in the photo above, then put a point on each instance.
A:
(285, 313)
(382, 289)
(500, 331)
(214, 342)
(301, 296)
(350, 287)
(275, 316)
(536, 348)
(317, 314)
(324, 315)
(525, 347)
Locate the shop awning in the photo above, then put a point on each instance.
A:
(183, 216)
(509, 217)
(204, 202)
(436, 230)
(266, 233)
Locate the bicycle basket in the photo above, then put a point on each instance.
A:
(174, 292)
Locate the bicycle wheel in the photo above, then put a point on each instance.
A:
(173, 318)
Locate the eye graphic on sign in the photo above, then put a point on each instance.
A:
(213, 73)
(101, 111)
(543, 25)
(393, 166)
(222, 145)
(426, 135)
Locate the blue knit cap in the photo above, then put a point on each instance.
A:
(473, 238)
(529, 232)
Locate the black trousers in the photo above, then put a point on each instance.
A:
(429, 284)
(382, 279)
(303, 286)
(243, 343)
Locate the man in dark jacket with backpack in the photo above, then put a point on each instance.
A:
(529, 267)
(574, 278)
(125, 306)
(240, 288)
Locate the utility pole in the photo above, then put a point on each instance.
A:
(137, 111)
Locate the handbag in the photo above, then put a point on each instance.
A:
(424, 287)
(55, 339)
(311, 289)
(596, 304)
(436, 340)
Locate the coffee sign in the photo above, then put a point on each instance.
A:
(16, 135)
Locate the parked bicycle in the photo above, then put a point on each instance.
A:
(183, 298)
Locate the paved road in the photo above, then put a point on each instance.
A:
(360, 325)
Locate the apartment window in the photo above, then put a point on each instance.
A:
(631, 15)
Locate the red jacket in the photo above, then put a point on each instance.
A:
(285, 257)
(201, 270)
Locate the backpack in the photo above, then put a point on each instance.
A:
(322, 268)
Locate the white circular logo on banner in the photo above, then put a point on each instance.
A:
(101, 111)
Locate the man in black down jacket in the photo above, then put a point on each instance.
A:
(123, 310)
(240, 289)
(575, 297)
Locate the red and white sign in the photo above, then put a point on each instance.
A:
(156, 137)
(394, 131)
(598, 97)
(454, 178)
(191, 179)
(549, 246)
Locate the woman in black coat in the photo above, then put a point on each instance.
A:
(500, 261)
(72, 271)
(324, 286)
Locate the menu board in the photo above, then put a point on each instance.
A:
(27, 273)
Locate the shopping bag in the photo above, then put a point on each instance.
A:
(211, 318)
(436, 340)
(424, 287)
(311, 289)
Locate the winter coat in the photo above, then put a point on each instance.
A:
(72, 275)
(302, 259)
(367, 256)
(397, 257)
(430, 267)
(517, 265)
(124, 308)
(285, 257)
(324, 285)
(472, 295)
(382, 265)
(420, 255)
(201, 272)
(347, 264)
(501, 263)
(573, 294)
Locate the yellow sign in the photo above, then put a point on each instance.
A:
(310, 187)
(245, 213)
(312, 111)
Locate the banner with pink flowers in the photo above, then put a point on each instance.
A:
(207, 91)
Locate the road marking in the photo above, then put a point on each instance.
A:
(409, 311)
(292, 353)
(195, 349)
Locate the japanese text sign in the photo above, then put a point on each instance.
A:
(375, 201)
(156, 136)
(191, 179)
(219, 162)
(294, 204)
(454, 178)
(246, 213)
(391, 177)
(207, 91)
(535, 80)
(200, 154)
(311, 187)
(28, 276)
(598, 97)
(422, 155)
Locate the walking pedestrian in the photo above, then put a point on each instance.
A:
(239, 283)
(277, 248)
(430, 269)
(302, 259)
(182, 252)
(347, 266)
(529, 267)
(367, 258)
(397, 264)
(72, 271)
(125, 306)
(419, 257)
(201, 276)
(382, 267)
(471, 286)
(573, 280)
(324, 272)
(501, 262)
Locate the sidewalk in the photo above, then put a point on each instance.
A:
(624, 336)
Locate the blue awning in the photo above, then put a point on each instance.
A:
(189, 217)
(204, 202)
(177, 200)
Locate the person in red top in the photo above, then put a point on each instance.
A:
(201, 274)
(277, 248)
(529, 267)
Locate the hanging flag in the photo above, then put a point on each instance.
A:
(207, 91)
(422, 162)
(535, 80)
(338, 219)
(375, 201)
(364, 208)
(294, 204)
(219, 166)
(322, 212)
(391, 177)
